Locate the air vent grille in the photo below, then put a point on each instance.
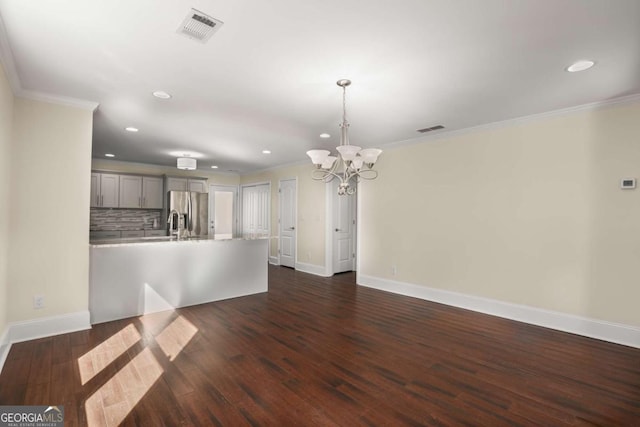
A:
(432, 128)
(199, 26)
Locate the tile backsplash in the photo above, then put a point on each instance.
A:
(123, 219)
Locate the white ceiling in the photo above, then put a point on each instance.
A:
(266, 79)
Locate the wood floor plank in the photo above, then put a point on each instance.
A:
(324, 352)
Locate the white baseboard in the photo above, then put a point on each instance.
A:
(318, 270)
(274, 260)
(48, 326)
(593, 328)
(43, 327)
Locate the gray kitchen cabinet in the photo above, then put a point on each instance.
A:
(105, 190)
(152, 192)
(198, 185)
(177, 184)
(132, 233)
(140, 192)
(130, 191)
(187, 184)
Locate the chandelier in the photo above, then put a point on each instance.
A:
(352, 162)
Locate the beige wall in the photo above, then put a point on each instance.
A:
(529, 214)
(49, 215)
(6, 120)
(310, 213)
(142, 168)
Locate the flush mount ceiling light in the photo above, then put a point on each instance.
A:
(214, 167)
(187, 163)
(325, 135)
(266, 151)
(161, 94)
(109, 155)
(131, 129)
(354, 162)
(580, 66)
(185, 154)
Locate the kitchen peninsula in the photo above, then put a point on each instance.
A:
(131, 277)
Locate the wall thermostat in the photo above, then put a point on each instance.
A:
(628, 183)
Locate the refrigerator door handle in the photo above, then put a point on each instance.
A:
(189, 214)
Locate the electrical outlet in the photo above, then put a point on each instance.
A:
(38, 301)
(308, 256)
(394, 270)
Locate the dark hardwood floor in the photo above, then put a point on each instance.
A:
(316, 351)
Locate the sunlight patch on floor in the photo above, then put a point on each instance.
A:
(175, 337)
(110, 404)
(93, 362)
(155, 322)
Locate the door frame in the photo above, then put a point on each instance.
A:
(328, 244)
(236, 205)
(295, 209)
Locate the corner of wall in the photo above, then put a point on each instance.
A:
(6, 131)
(5, 346)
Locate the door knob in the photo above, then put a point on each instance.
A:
(337, 229)
(292, 228)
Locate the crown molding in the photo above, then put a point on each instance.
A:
(623, 100)
(10, 69)
(58, 99)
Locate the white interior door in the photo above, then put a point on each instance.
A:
(344, 226)
(223, 211)
(256, 204)
(288, 223)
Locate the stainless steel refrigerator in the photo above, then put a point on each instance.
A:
(192, 213)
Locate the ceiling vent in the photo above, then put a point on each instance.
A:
(199, 26)
(425, 130)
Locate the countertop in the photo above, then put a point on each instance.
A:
(105, 243)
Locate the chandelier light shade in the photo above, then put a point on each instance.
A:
(352, 162)
(187, 163)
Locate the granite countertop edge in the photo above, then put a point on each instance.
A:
(106, 243)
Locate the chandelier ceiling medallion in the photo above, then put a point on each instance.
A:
(352, 162)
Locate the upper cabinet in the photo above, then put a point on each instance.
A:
(105, 190)
(152, 192)
(140, 192)
(130, 191)
(110, 190)
(177, 184)
(187, 184)
(198, 185)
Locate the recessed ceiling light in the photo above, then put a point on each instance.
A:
(109, 155)
(131, 129)
(214, 167)
(161, 94)
(266, 151)
(580, 66)
(325, 135)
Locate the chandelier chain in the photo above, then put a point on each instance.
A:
(344, 105)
